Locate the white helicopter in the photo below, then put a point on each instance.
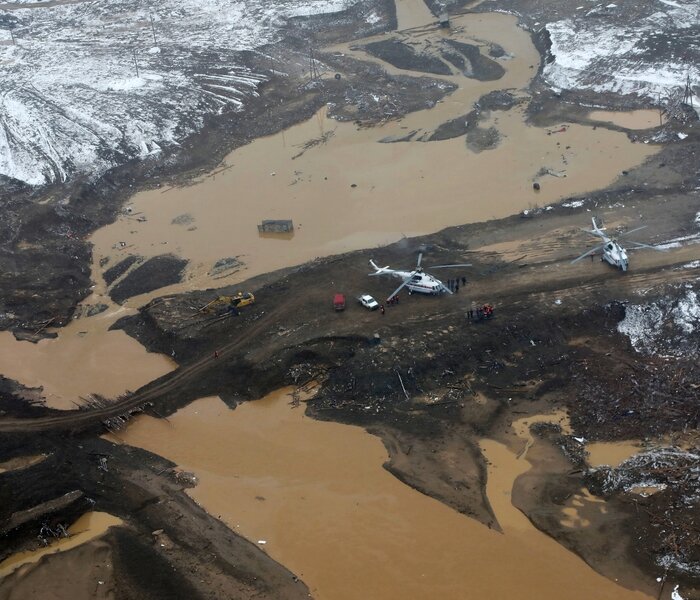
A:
(613, 252)
(416, 280)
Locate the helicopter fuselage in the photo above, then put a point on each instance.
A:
(615, 254)
(420, 282)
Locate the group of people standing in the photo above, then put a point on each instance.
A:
(453, 284)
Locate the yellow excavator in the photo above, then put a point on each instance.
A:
(229, 303)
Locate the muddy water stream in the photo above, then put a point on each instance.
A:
(86, 528)
(410, 13)
(353, 192)
(347, 193)
(634, 119)
(314, 495)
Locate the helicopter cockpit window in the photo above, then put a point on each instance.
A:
(609, 247)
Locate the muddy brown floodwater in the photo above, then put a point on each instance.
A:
(634, 119)
(354, 192)
(84, 359)
(611, 453)
(316, 497)
(406, 188)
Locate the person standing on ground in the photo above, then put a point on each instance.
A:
(381, 308)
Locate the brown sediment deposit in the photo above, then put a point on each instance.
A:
(21, 462)
(86, 528)
(85, 572)
(316, 498)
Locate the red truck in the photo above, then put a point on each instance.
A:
(339, 302)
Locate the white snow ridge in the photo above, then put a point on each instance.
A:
(644, 49)
(72, 100)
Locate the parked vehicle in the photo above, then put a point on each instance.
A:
(339, 302)
(368, 302)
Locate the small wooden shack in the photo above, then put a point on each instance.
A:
(276, 226)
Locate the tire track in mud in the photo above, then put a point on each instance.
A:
(87, 418)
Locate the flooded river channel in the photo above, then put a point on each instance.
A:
(315, 496)
(348, 193)
(353, 191)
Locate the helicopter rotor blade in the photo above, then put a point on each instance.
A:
(445, 288)
(398, 289)
(640, 245)
(449, 266)
(420, 259)
(632, 231)
(585, 254)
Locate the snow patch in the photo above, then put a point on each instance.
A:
(669, 326)
(645, 55)
(90, 85)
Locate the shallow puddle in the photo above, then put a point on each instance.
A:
(577, 505)
(86, 528)
(521, 427)
(315, 496)
(611, 453)
(634, 119)
(21, 462)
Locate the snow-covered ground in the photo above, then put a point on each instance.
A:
(72, 100)
(627, 47)
(669, 326)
